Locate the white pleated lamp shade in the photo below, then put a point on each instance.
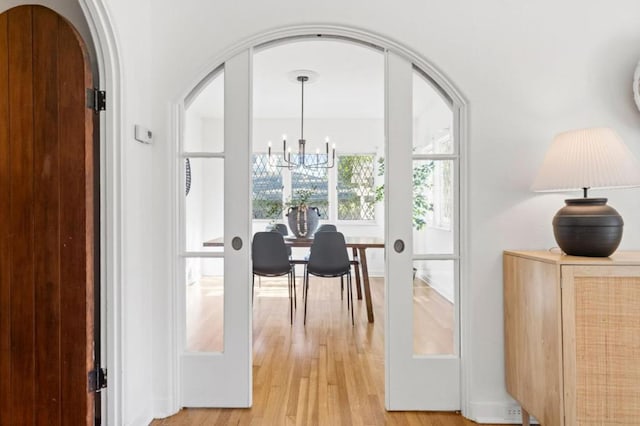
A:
(587, 158)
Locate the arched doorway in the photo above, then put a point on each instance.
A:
(407, 369)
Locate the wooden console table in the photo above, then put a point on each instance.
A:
(572, 337)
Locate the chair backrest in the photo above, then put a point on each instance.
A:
(328, 255)
(327, 227)
(269, 254)
(281, 228)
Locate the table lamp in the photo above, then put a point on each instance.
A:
(586, 159)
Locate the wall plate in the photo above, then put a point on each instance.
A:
(142, 134)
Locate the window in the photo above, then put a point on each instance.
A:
(353, 178)
(267, 188)
(356, 194)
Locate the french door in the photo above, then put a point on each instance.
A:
(422, 363)
(422, 356)
(216, 363)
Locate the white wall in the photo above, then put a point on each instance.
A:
(138, 287)
(527, 70)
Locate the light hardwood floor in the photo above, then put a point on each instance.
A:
(327, 373)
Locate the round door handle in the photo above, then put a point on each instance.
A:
(398, 246)
(236, 243)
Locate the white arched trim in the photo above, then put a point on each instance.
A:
(333, 31)
(459, 110)
(111, 206)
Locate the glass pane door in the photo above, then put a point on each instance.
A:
(422, 363)
(216, 240)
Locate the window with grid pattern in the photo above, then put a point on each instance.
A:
(267, 189)
(356, 190)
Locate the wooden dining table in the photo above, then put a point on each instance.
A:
(358, 245)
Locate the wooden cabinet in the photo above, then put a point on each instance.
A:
(572, 337)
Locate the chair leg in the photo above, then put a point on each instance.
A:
(306, 294)
(304, 274)
(341, 290)
(295, 296)
(350, 292)
(290, 299)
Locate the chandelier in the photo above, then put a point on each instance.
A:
(302, 159)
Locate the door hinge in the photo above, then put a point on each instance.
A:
(96, 100)
(97, 379)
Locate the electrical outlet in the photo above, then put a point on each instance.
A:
(514, 412)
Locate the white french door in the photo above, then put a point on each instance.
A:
(215, 292)
(421, 374)
(421, 262)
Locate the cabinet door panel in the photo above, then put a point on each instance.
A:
(601, 306)
(533, 339)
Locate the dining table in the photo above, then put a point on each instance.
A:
(358, 245)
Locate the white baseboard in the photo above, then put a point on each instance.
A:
(162, 408)
(142, 419)
(376, 273)
(444, 291)
(494, 412)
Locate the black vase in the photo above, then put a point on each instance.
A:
(588, 227)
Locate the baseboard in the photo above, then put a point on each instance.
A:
(140, 420)
(375, 273)
(443, 291)
(162, 408)
(495, 412)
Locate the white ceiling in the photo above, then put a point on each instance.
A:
(350, 83)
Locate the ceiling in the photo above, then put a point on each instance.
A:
(349, 85)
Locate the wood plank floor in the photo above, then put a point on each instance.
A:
(327, 373)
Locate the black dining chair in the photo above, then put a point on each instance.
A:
(329, 227)
(328, 259)
(270, 259)
(281, 228)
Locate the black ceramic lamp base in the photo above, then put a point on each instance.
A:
(588, 227)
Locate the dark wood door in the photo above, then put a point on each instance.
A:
(46, 221)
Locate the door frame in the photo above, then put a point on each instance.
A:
(109, 77)
(459, 109)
